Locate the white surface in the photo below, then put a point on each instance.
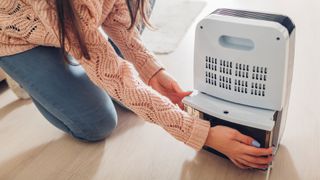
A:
(267, 52)
(172, 18)
(239, 114)
(299, 153)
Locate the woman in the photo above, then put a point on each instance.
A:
(73, 98)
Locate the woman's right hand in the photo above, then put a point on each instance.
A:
(238, 147)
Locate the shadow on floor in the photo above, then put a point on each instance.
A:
(3, 87)
(63, 158)
(12, 106)
(208, 166)
(284, 167)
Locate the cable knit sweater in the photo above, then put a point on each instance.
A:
(25, 24)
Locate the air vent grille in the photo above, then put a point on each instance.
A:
(234, 76)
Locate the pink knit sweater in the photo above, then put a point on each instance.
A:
(25, 24)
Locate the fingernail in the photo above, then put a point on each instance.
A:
(273, 150)
(255, 143)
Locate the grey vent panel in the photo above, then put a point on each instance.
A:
(235, 76)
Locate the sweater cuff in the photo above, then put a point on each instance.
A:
(149, 69)
(199, 134)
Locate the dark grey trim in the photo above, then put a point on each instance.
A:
(283, 20)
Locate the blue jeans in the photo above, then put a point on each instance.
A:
(63, 93)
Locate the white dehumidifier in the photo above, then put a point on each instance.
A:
(243, 63)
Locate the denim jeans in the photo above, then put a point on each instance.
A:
(63, 93)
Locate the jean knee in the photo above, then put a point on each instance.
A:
(97, 130)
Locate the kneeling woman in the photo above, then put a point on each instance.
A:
(76, 99)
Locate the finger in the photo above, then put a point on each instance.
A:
(239, 164)
(181, 106)
(258, 160)
(250, 164)
(179, 90)
(245, 139)
(180, 97)
(176, 87)
(184, 94)
(250, 150)
(174, 98)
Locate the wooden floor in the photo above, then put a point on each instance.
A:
(33, 149)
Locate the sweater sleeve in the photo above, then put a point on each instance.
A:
(116, 26)
(117, 77)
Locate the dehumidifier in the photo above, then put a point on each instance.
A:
(243, 65)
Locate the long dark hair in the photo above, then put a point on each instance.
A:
(138, 10)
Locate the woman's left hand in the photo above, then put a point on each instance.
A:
(168, 86)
